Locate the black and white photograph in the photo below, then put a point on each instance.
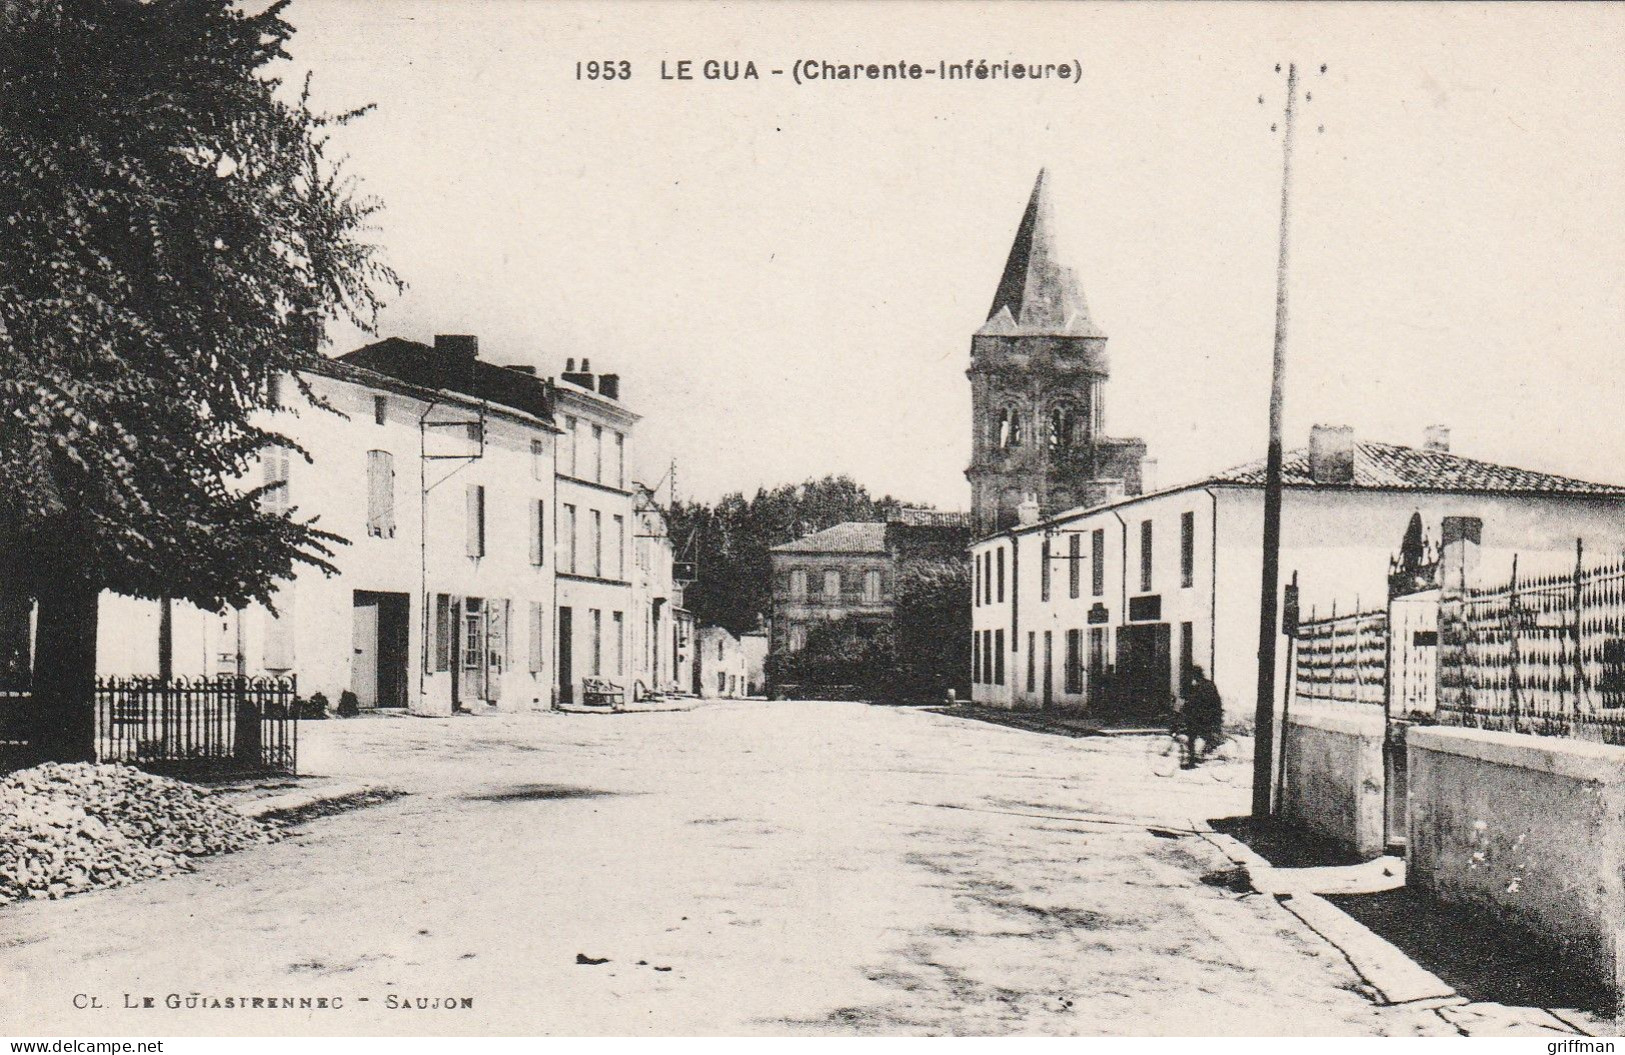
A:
(818, 520)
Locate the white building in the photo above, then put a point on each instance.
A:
(1109, 607)
(438, 469)
(720, 664)
(595, 522)
(657, 598)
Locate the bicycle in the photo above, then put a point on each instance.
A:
(1173, 752)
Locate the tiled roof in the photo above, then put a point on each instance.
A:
(854, 536)
(427, 367)
(910, 516)
(1390, 467)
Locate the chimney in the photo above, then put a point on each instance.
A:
(609, 386)
(1331, 454)
(457, 345)
(1436, 438)
(581, 378)
(1148, 475)
(1027, 513)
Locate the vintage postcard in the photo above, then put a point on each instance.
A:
(657, 519)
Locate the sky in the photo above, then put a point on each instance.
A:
(787, 276)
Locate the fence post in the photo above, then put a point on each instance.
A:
(1580, 689)
(1459, 539)
(245, 747)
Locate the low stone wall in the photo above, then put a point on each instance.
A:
(1334, 774)
(1530, 828)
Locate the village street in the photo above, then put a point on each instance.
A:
(743, 868)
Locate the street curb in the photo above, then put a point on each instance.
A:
(1395, 977)
(258, 809)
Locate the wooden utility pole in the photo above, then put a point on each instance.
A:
(1269, 594)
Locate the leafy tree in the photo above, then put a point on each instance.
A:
(849, 652)
(933, 602)
(173, 235)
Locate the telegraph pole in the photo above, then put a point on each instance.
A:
(1269, 593)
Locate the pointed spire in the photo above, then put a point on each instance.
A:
(1037, 295)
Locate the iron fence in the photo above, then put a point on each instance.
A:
(1343, 659)
(1542, 654)
(227, 722)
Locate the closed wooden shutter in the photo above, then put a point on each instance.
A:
(476, 520)
(537, 533)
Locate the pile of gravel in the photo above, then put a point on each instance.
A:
(65, 828)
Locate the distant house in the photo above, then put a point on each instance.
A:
(1110, 606)
(720, 664)
(755, 643)
(850, 571)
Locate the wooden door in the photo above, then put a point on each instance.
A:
(364, 657)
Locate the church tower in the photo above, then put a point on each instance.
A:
(1037, 371)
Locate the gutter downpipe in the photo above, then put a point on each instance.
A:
(423, 544)
(1213, 594)
(1122, 613)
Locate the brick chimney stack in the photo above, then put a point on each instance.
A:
(1331, 454)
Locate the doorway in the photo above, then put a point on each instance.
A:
(567, 691)
(471, 682)
(380, 624)
(1049, 668)
(1145, 668)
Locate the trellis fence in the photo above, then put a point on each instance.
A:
(1343, 659)
(1542, 654)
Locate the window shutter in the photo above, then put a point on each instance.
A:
(476, 529)
(536, 533)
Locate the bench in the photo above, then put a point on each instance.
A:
(600, 692)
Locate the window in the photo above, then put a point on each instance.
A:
(1009, 429)
(620, 547)
(976, 580)
(832, 583)
(275, 498)
(538, 459)
(1097, 562)
(596, 617)
(1043, 573)
(1074, 662)
(538, 533)
(1187, 549)
(976, 657)
(1097, 653)
(871, 587)
(476, 520)
(1000, 559)
(537, 641)
(473, 634)
(380, 494)
(598, 454)
(570, 541)
(1145, 556)
(598, 543)
(442, 632)
(798, 583)
(987, 657)
(619, 619)
(380, 409)
(569, 445)
(620, 461)
(998, 657)
(1032, 660)
(1074, 557)
(798, 637)
(1063, 420)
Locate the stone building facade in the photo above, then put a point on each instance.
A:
(1038, 372)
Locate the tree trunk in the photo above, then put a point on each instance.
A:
(65, 674)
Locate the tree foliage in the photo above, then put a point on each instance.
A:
(933, 626)
(173, 232)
